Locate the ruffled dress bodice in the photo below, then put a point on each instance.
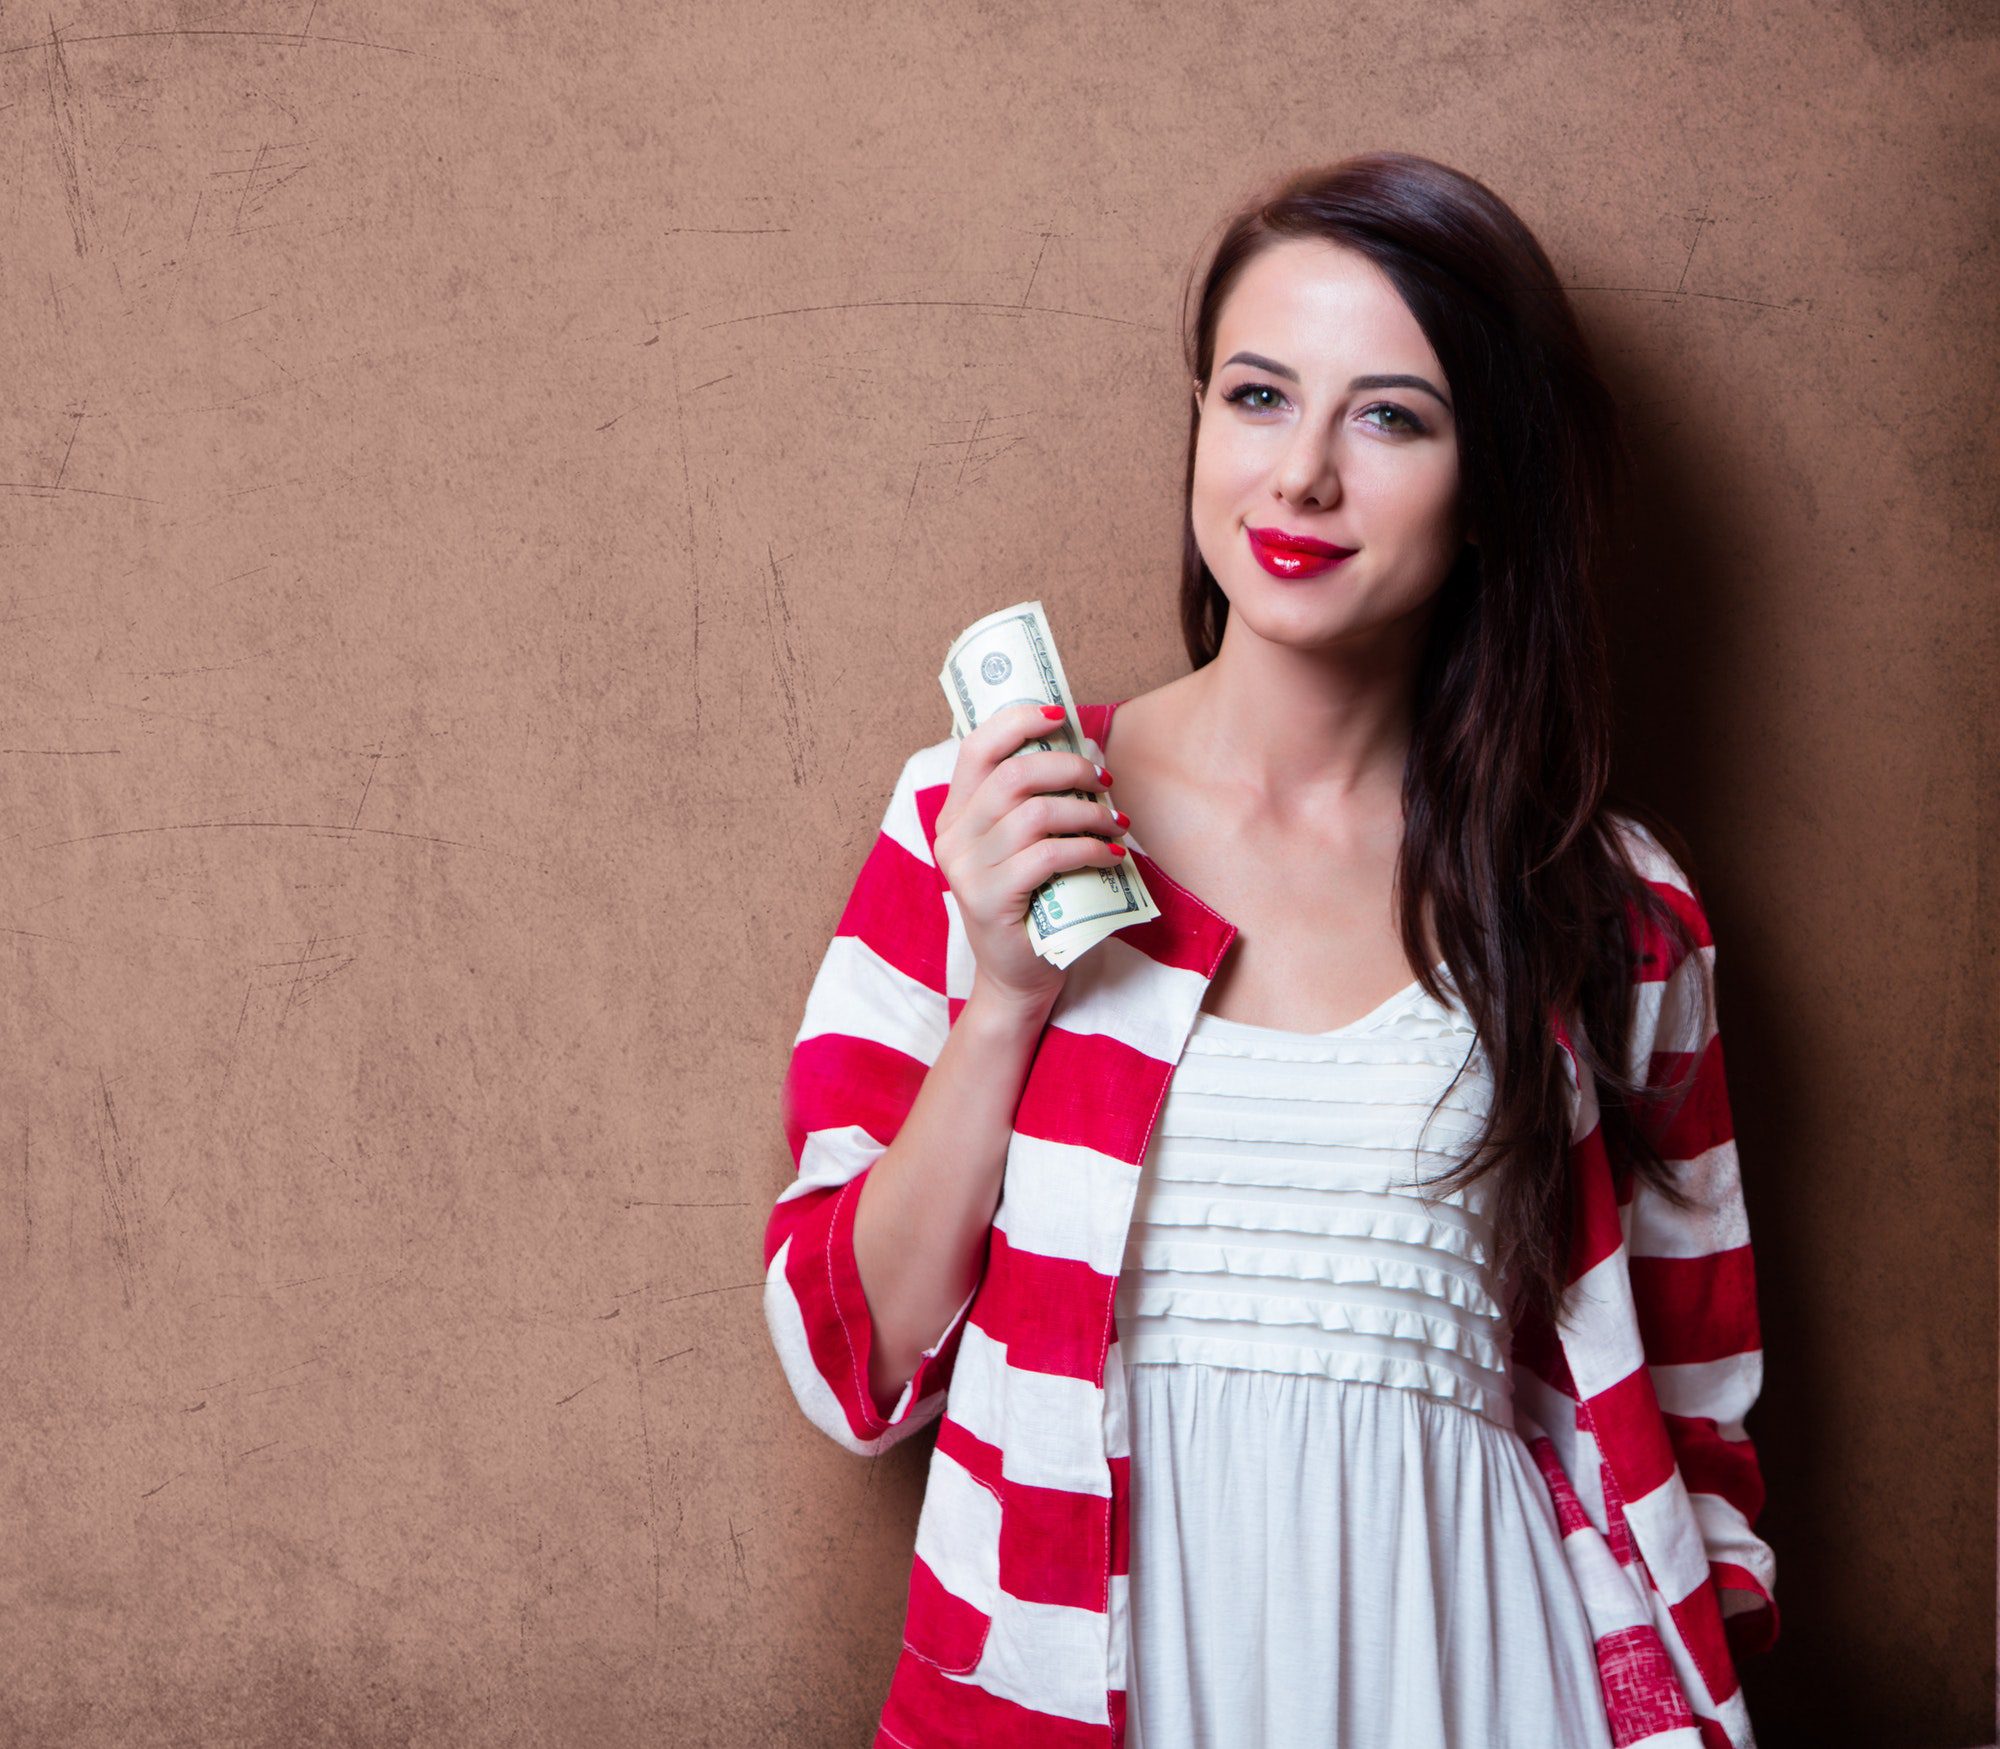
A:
(1338, 1537)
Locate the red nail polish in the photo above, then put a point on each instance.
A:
(1118, 850)
(1054, 710)
(1124, 819)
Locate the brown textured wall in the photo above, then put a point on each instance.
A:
(484, 493)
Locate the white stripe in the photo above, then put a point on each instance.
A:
(1729, 1537)
(1048, 1656)
(1734, 1717)
(1051, 1437)
(932, 764)
(1664, 1525)
(1117, 1422)
(1122, 993)
(1065, 1200)
(1646, 993)
(958, 1532)
(1649, 856)
(1717, 1222)
(1737, 1601)
(1605, 1346)
(922, 769)
(1679, 1737)
(1721, 1390)
(1119, 1618)
(830, 1157)
(959, 963)
(857, 991)
(1611, 1598)
(821, 1407)
(1680, 1024)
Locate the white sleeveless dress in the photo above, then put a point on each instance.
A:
(1338, 1537)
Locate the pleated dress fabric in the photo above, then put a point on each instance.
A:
(1338, 1537)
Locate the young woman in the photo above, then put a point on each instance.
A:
(1343, 1340)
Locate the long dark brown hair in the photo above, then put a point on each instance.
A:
(1509, 842)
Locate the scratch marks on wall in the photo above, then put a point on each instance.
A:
(1014, 311)
(652, 1481)
(66, 113)
(689, 541)
(794, 675)
(297, 990)
(261, 182)
(1702, 221)
(117, 1181)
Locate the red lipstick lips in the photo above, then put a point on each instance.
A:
(1294, 555)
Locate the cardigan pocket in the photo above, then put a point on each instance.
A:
(955, 1574)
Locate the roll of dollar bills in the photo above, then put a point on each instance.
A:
(1007, 658)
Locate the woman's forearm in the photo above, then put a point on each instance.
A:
(927, 1204)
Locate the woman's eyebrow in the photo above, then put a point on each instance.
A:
(1257, 362)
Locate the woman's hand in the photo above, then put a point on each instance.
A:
(1004, 829)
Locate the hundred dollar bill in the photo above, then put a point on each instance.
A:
(1007, 658)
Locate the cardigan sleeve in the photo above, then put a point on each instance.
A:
(1693, 1278)
(876, 1016)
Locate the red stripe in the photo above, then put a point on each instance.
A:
(1695, 1309)
(1570, 1515)
(837, 1078)
(1699, 1618)
(1711, 1464)
(978, 1457)
(1702, 1119)
(897, 908)
(927, 1710)
(940, 1625)
(1054, 1546)
(1538, 1349)
(1642, 1697)
(1626, 1420)
(822, 1275)
(1596, 1232)
(1750, 1631)
(1049, 1312)
(930, 800)
(1618, 1537)
(1087, 1089)
(1187, 934)
(1657, 956)
(1121, 1516)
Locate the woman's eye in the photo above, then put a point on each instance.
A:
(1410, 422)
(1242, 394)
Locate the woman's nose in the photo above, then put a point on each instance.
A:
(1307, 474)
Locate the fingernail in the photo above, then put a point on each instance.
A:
(1124, 819)
(1054, 710)
(1118, 850)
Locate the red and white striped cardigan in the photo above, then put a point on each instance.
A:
(1015, 1620)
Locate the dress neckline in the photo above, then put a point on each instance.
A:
(1209, 1021)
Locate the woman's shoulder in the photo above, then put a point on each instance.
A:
(1646, 839)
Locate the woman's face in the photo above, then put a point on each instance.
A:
(1300, 436)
